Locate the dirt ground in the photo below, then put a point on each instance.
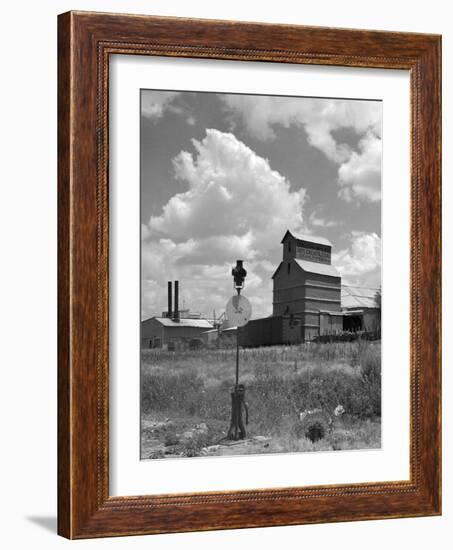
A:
(182, 437)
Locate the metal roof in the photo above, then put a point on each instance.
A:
(320, 269)
(358, 297)
(309, 238)
(194, 323)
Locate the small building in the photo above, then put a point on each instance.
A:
(166, 333)
(361, 308)
(174, 331)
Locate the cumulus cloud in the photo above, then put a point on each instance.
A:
(155, 103)
(360, 263)
(234, 206)
(359, 171)
(231, 192)
(360, 175)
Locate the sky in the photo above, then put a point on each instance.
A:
(223, 176)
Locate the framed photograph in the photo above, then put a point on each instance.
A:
(249, 275)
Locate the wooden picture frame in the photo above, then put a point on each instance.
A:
(85, 42)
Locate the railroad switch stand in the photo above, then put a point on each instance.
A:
(237, 430)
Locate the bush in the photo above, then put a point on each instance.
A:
(194, 446)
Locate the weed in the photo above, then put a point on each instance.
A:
(281, 381)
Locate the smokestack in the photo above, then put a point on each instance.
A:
(170, 292)
(176, 312)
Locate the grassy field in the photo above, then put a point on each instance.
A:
(186, 403)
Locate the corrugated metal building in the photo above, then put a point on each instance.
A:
(361, 308)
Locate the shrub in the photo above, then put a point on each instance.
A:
(194, 446)
(315, 431)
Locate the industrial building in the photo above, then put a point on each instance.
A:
(173, 331)
(307, 285)
(309, 299)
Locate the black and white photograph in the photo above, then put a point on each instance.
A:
(260, 274)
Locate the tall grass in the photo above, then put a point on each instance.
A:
(280, 382)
